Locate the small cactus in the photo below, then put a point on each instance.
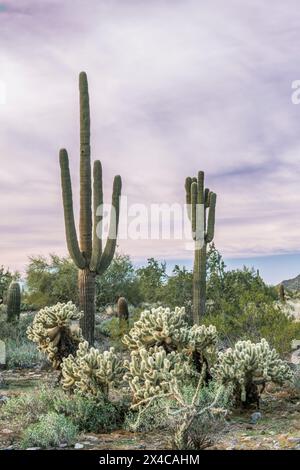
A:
(54, 333)
(282, 293)
(248, 366)
(122, 307)
(13, 302)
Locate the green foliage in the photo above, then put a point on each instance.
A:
(51, 430)
(50, 281)
(90, 415)
(178, 289)
(249, 365)
(152, 280)
(21, 354)
(120, 279)
(91, 373)
(53, 331)
(87, 414)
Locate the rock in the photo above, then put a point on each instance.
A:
(6, 431)
(33, 448)
(3, 399)
(78, 446)
(142, 446)
(255, 417)
(9, 448)
(63, 445)
(294, 439)
(295, 344)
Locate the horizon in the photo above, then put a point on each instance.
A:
(171, 92)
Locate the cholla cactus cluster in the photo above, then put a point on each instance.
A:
(249, 365)
(166, 328)
(91, 373)
(154, 373)
(54, 332)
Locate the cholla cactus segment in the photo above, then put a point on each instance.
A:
(91, 373)
(154, 373)
(54, 331)
(249, 365)
(200, 338)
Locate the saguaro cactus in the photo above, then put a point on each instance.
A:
(88, 254)
(13, 301)
(282, 292)
(201, 204)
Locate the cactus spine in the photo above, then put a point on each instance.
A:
(13, 301)
(88, 254)
(201, 205)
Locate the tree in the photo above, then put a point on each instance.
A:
(151, 280)
(120, 280)
(51, 281)
(178, 290)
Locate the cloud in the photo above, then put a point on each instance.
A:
(175, 86)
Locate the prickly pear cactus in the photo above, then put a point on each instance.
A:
(13, 302)
(249, 365)
(53, 331)
(154, 373)
(90, 372)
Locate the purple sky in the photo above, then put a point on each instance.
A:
(175, 86)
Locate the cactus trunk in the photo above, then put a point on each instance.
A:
(86, 284)
(199, 284)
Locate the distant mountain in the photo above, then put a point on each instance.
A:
(292, 284)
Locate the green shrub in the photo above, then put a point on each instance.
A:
(26, 409)
(21, 354)
(90, 415)
(51, 430)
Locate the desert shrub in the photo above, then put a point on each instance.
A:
(50, 281)
(21, 354)
(90, 372)
(151, 281)
(51, 430)
(90, 415)
(53, 331)
(120, 279)
(87, 414)
(26, 408)
(155, 417)
(248, 366)
(179, 289)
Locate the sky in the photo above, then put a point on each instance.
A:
(176, 86)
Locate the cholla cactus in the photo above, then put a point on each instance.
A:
(91, 373)
(162, 327)
(249, 365)
(53, 331)
(153, 373)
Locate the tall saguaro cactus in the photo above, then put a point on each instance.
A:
(201, 204)
(88, 254)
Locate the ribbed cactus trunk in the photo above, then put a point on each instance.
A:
(86, 283)
(199, 283)
(87, 254)
(13, 302)
(200, 202)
